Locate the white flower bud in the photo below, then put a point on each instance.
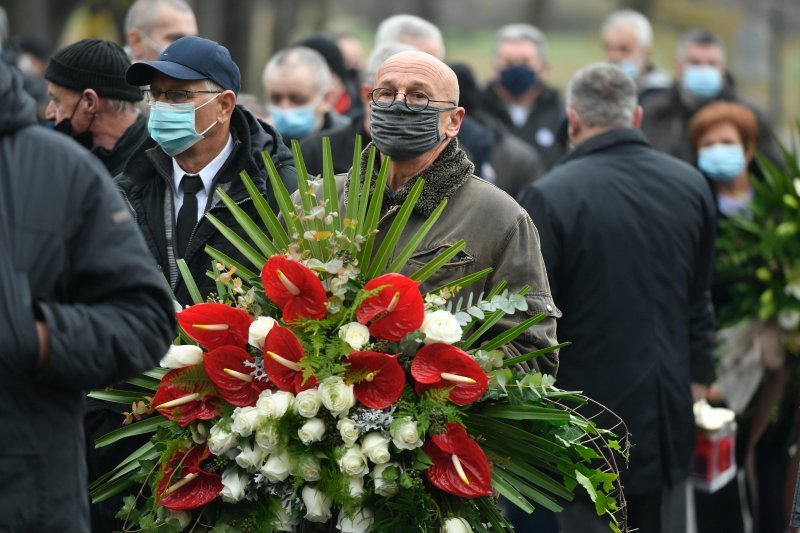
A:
(182, 356)
(259, 329)
(347, 429)
(456, 525)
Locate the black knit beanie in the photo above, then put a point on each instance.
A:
(93, 64)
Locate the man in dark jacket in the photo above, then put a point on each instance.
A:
(91, 101)
(701, 78)
(519, 95)
(201, 142)
(81, 306)
(627, 234)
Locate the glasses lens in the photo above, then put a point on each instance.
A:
(177, 95)
(383, 97)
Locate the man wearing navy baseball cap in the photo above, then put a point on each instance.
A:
(201, 141)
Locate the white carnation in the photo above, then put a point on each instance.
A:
(441, 326)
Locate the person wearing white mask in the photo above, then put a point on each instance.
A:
(701, 77)
(201, 141)
(298, 88)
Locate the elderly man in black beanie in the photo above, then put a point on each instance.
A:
(91, 101)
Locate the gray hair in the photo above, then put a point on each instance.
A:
(522, 32)
(123, 107)
(302, 56)
(143, 14)
(397, 27)
(3, 26)
(378, 56)
(642, 27)
(701, 37)
(603, 96)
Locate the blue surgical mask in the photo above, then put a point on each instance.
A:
(628, 67)
(295, 122)
(172, 126)
(702, 81)
(517, 79)
(722, 162)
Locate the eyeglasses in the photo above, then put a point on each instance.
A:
(414, 101)
(176, 96)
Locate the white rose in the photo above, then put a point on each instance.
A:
(441, 326)
(353, 463)
(318, 505)
(347, 429)
(376, 447)
(356, 486)
(277, 467)
(405, 436)
(221, 440)
(336, 395)
(789, 319)
(308, 468)
(311, 431)
(793, 289)
(283, 521)
(182, 517)
(246, 420)
(360, 522)
(274, 404)
(355, 335)
(307, 403)
(456, 525)
(233, 484)
(250, 457)
(385, 487)
(259, 329)
(181, 356)
(267, 438)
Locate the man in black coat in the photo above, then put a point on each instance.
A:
(81, 306)
(627, 236)
(201, 142)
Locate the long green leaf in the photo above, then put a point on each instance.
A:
(392, 237)
(117, 396)
(353, 196)
(268, 216)
(226, 260)
(438, 262)
(536, 477)
(501, 483)
(532, 355)
(487, 323)
(155, 373)
(149, 425)
(373, 215)
(191, 286)
(511, 334)
(530, 492)
(526, 412)
(252, 255)
(405, 254)
(366, 187)
(329, 191)
(140, 452)
(256, 234)
(112, 489)
(467, 280)
(145, 383)
(284, 199)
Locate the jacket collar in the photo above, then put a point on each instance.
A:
(604, 141)
(442, 179)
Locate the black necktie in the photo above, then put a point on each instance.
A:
(187, 216)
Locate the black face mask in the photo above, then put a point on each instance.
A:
(85, 139)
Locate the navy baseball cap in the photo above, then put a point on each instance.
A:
(190, 58)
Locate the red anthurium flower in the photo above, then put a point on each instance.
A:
(214, 325)
(378, 379)
(184, 485)
(225, 368)
(185, 398)
(282, 353)
(440, 365)
(459, 465)
(294, 288)
(397, 310)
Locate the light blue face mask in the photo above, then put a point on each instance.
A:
(295, 122)
(702, 81)
(722, 162)
(172, 126)
(629, 67)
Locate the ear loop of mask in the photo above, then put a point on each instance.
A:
(72, 116)
(203, 133)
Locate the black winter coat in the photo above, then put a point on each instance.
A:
(627, 235)
(148, 186)
(72, 257)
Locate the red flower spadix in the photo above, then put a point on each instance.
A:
(282, 353)
(214, 325)
(225, 368)
(459, 465)
(397, 310)
(294, 288)
(182, 397)
(378, 379)
(440, 365)
(185, 485)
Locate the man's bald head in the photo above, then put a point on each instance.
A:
(420, 70)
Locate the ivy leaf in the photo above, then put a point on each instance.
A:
(614, 445)
(586, 483)
(586, 453)
(604, 504)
